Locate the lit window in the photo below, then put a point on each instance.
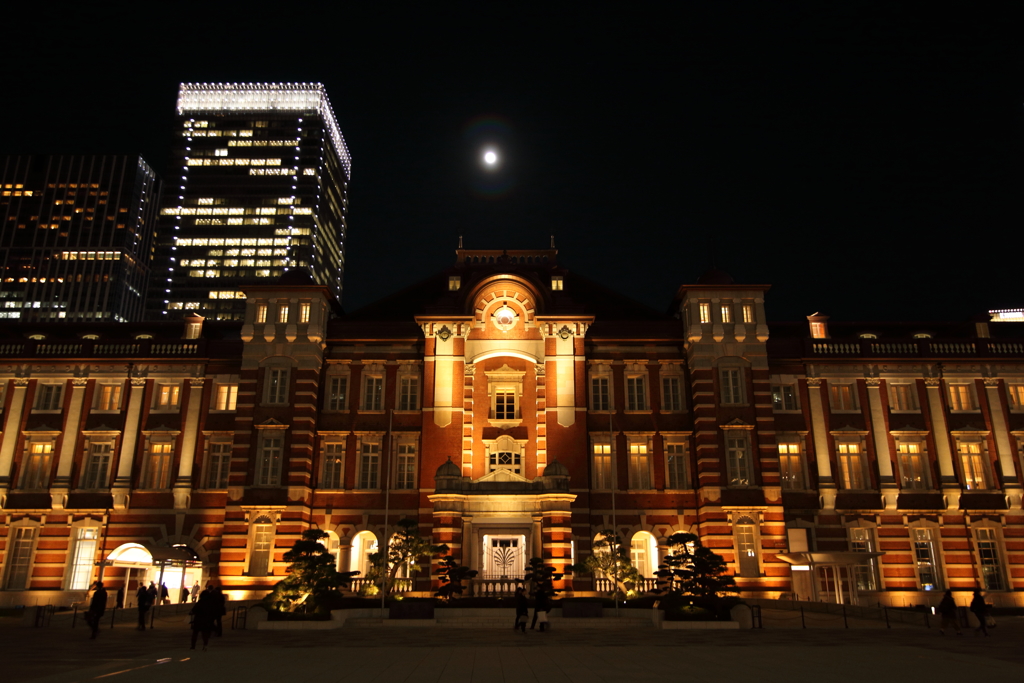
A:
(961, 397)
(844, 397)
(369, 465)
(639, 466)
(903, 397)
(862, 540)
(156, 468)
(454, 282)
(818, 331)
(167, 396)
(268, 462)
(675, 465)
(974, 463)
(791, 467)
(913, 469)
(261, 311)
(705, 313)
(726, 314)
(748, 313)
(927, 557)
(1016, 392)
(83, 558)
(557, 283)
(227, 396)
(304, 310)
(36, 468)
(602, 465)
(108, 397)
(738, 460)
(784, 397)
(282, 313)
(852, 466)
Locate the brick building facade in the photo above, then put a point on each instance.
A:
(515, 410)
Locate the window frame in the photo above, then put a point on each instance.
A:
(18, 548)
(268, 471)
(148, 470)
(636, 392)
(869, 570)
(672, 400)
(934, 552)
(677, 464)
(837, 400)
(111, 401)
(166, 396)
(36, 473)
(845, 462)
(996, 552)
(336, 397)
(1015, 395)
(896, 402)
(77, 565)
(89, 479)
(405, 473)
(731, 389)
(791, 450)
(921, 455)
(601, 463)
(373, 397)
(956, 397)
(640, 471)
(332, 466)
(740, 529)
(49, 397)
(601, 398)
(408, 392)
(225, 397)
(368, 471)
(981, 459)
(790, 403)
(739, 466)
(262, 531)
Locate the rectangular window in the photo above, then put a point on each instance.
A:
(108, 397)
(705, 313)
(373, 393)
(602, 466)
(84, 556)
(862, 540)
(1016, 396)
(261, 313)
(282, 313)
(36, 470)
(454, 282)
(732, 388)
(748, 313)
(504, 404)
(48, 396)
(738, 460)
(369, 465)
(334, 462)
(277, 386)
(227, 397)
(268, 465)
(405, 474)
(746, 550)
(337, 393)
(167, 396)
(409, 393)
(505, 460)
(960, 397)
(818, 330)
(156, 469)
(913, 469)
(19, 558)
(262, 546)
(557, 283)
(639, 466)
(675, 465)
(851, 466)
(988, 556)
(96, 472)
(791, 467)
(636, 393)
(784, 397)
(844, 396)
(671, 394)
(974, 465)
(726, 314)
(902, 397)
(218, 464)
(600, 393)
(927, 559)
(304, 310)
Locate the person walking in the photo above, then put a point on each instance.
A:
(120, 597)
(97, 606)
(220, 602)
(980, 610)
(542, 609)
(184, 595)
(522, 610)
(195, 591)
(143, 601)
(204, 615)
(947, 610)
(164, 595)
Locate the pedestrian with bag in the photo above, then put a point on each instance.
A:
(541, 610)
(97, 606)
(143, 601)
(980, 610)
(522, 610)
(204, 615)
(947, 611)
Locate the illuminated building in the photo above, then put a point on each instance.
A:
(75, 237)
(258, 186)
(516, 409)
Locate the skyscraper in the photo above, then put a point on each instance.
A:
(75, 236)
(258, 185)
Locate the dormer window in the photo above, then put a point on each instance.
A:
(192, 330)
(454, 282)
(556, 283)
(304, 310)
(37, 337)
(819, 325)
(868, 335)
(705, 313)
(90, 337)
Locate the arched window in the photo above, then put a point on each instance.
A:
(505, 453)
(333, 545)
(643, 553)
(363, 545)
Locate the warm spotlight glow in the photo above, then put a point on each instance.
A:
(490, 157)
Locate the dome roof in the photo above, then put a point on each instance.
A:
(448, 469)
(556, 469)
(714, 276)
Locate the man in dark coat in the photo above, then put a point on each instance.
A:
(522, 610)
(204, 614)
(220, 602)
(143, 600)
(980, 609)
(947, 610)
(97, 606)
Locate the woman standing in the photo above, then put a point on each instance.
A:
(980, 610)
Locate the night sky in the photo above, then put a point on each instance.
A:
(865, 160)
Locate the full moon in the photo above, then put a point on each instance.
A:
(490, 157)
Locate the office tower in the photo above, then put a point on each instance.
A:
(258, 186)
(75, 236)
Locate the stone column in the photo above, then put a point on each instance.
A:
(12, 431)
(467, 543)
(536, 539)
(880, 433)
(129, 440)
(1004, 451)
(183, 484)
(826, 485)
(69, 444)
(947, 474)
(564, 390)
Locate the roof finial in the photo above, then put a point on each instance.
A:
(460, 241)
(552, 241)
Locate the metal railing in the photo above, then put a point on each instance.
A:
(805, 609)
(809, 348)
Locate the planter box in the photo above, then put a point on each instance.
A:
(408, 609)
(582, 609)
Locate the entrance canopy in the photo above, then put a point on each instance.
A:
(139, 556)
(808, 561)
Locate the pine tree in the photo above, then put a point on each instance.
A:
(693, 570)
(452, 574)
(406, 549)
(610, 559)
(312, 576)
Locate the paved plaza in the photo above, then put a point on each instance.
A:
(782, 651)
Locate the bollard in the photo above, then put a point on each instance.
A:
(886, 610)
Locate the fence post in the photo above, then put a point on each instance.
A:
(803, 623)
(846, 624)
(886, 610)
